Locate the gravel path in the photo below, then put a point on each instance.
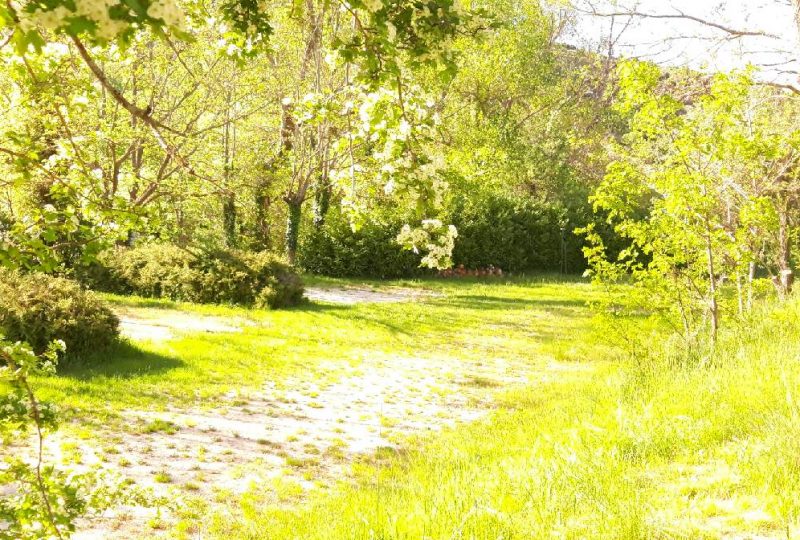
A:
(358, 295)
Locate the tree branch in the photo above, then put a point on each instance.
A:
(734, 32)
(144, 115)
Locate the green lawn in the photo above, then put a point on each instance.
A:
(592, 446)
(527, 318)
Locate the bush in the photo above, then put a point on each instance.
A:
(38, 308)
(335, 250)
(218, 276)
(514, 234)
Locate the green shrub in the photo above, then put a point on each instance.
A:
(335, 250)
(218, 276)
(38, 308)
(514, 234)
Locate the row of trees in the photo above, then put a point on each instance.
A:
(195, 128)
(204, 141)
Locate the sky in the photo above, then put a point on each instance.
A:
(683, 42)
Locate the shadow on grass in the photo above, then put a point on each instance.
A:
(121, 360)
(311, 306)
(495, 302)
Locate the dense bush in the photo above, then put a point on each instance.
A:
(335, 250)
(218, 276)
(513, 234)
(38, 308)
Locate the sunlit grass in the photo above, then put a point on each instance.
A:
(317, 341)
(662, 452)
(596, 447)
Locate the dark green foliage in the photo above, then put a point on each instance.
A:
(335, 250)
(217, 276)
(229, 221)
(515, 234)
(293, 228)
(38, 308)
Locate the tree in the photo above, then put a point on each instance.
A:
(376, 43)
(697, 187)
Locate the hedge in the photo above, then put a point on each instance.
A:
(260, 279)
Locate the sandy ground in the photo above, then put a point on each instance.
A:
(308, 435)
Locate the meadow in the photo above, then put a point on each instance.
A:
(482, 409)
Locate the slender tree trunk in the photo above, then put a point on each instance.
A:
(130, 241)
(740, 293)
(751, 275)
(322, 201)
(294, 206)
(229, 220)
(713, 307)
(229, 202)
(785, 274)
(262, 225)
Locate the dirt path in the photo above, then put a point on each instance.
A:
(359, 295)
(300, 434)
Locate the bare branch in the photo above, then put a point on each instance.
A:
(733, 32)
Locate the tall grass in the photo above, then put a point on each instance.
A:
(651, 448)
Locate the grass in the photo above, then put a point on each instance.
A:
(593, 447)
(647, 449)
(315, 342)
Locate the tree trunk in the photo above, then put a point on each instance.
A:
(130, 241)
(228, 153)
(262, 224)
(740, 293)
(322, 202)
(229, 220)
(293, 227)
(713, 307)
(785, 274)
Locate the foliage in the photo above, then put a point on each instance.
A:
(41, 503)
(38, 309)
(711, 177)
(41, 500)
(52, 238)
(371, 251)
(516, 234)
(215, 276)
(360, 117)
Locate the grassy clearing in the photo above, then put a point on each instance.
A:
(314, 341)
(590, 448)
(648, 449)
(114, 400)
